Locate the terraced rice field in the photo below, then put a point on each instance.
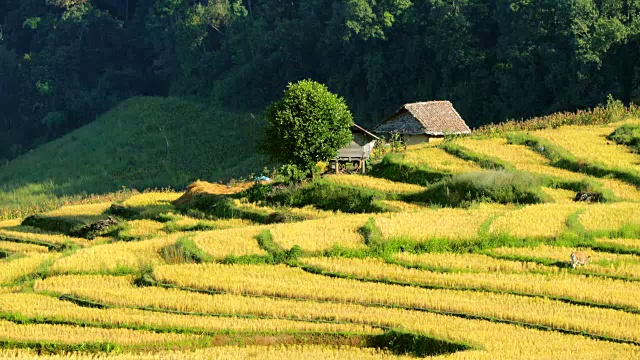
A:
(491, 281)
(590, 144)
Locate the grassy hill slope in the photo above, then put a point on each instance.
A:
(144, 142)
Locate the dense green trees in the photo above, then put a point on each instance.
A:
(64, 61)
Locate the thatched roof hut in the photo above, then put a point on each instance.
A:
(422, 121)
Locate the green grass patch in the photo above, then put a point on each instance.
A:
(144, 142)
(184, 251)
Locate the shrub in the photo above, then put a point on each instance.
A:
(628, 135)
(491, 186)
(328, 196)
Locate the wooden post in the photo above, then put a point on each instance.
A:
(337, 167)
(363, 164)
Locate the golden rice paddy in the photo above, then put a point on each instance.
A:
(375, 183)
(590, 144)
(540, 220)
(438, 160)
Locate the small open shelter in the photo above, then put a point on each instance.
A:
(424, 121)
(359, 149)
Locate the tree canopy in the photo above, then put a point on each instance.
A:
(309, 124)
(63, 62)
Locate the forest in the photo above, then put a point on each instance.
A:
(64, 62)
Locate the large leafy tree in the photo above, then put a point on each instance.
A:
(307, 125)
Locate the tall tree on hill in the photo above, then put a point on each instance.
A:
(309, 124)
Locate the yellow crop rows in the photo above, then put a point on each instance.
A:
(438, 159)
(307, 212)
(10, 223)
(610, 216)
(621, 189)
(77, 334)
(186, 222)
(110, 257)
(401, 206)
(28, 233)
(295, 283)
(525, 159)
(84, 212)
(590, 143)
(521, 157)
(597, 290)
(540, 220)
(559, 195)
(22, 247)
(11, 270)
(375, 183)
(151, 198)
(41, 306)
(600, 262)
(143, 229)
(274, 352)
(454, 224)
(321, 234)
(628, 243)
(471, 262)
(234, 241)
(497, 340)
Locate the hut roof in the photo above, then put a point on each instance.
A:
(430, 117)
(358, 128)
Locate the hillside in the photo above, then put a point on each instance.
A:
(393, 275)
(144, 142)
